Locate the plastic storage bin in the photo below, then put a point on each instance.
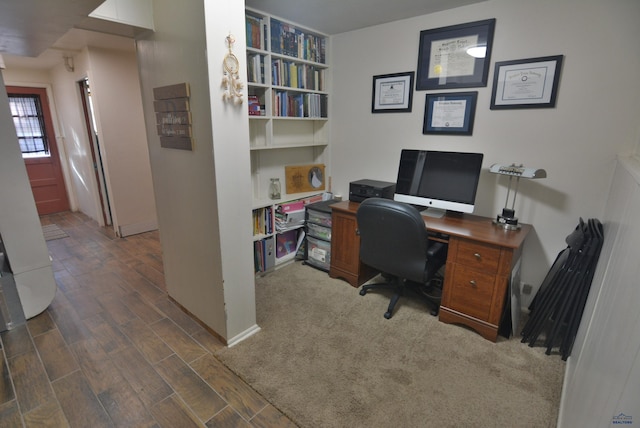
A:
(318, 253)
(318, 217)
(319, 231)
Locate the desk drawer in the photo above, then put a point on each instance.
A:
(478, 256)
(472, 292)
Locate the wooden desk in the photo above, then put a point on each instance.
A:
(480, 260)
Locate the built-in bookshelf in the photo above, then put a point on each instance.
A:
(287, 87)
(278, 232)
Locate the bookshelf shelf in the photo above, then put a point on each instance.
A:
(290, 146)
(288, 89)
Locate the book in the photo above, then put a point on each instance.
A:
(254, 105)
(286, 243)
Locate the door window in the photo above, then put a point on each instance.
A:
(28, 119)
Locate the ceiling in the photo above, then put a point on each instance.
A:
(339, 16)
(39, 33)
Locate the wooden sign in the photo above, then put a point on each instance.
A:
(304, 178)
(181, 90)
(173, 117)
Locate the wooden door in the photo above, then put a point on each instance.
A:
(43, 167)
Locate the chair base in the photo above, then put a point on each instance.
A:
(430, 292)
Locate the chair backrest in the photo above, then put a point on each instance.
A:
(393, 238)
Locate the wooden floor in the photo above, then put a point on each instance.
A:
(113, 350)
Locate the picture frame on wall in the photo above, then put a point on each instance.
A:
(456, 56)
(450, 113)
(392, 93)
(526, 83)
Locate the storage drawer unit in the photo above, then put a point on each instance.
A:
(318, 230)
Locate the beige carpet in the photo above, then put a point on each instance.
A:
(326, 357)
(53, 231)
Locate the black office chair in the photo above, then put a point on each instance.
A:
(393, 240)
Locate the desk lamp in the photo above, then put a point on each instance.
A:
(508, 219)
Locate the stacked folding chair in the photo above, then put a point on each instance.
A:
(556, 310)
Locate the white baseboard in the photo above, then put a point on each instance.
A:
(242, 336)
(134, 229)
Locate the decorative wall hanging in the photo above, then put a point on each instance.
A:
(456, 56)
(304, 178)
(450, 113)
(231, 80)
(392, 93)
(173, 116)
(526, 83)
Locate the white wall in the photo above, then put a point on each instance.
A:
(73, 136)
(19, 223)
(595, 116)
(232, 169)
(602, 379)
(203, 196)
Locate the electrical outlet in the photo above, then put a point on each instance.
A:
(526, 288)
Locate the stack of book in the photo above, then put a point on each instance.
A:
(256, 32)
(289, 220)
(263, 221)
(264, 256)
(289, 40)
(294, 75)
(255, 68)
(299, 105)
(255, 109)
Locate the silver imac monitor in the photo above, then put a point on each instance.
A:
(438, 181)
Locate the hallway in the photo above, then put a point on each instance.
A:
(113, 350)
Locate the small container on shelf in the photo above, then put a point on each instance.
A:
(274, 189)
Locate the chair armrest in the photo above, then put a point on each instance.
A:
(437, 250)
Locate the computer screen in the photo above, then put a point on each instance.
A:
(438, 181)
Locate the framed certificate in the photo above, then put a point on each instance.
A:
(526, 83)
(450, 113)
(456, 56)
(392, 93)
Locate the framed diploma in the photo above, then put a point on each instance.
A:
(450, 113)
(526, 83)
(392, 93)
(457, 56)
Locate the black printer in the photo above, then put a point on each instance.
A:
(362, 189)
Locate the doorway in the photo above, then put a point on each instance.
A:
(94, 143)
(36, 136)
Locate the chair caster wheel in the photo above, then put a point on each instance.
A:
(387, 315)
(363, 292)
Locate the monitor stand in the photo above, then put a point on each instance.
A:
(433, 212)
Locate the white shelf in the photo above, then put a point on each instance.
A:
(290, 146)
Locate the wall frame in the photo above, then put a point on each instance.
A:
(450, 113)
(392, 93)
(457, 56)
(526, 83)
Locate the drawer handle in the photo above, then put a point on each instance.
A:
(473, 283)
(477, 256)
